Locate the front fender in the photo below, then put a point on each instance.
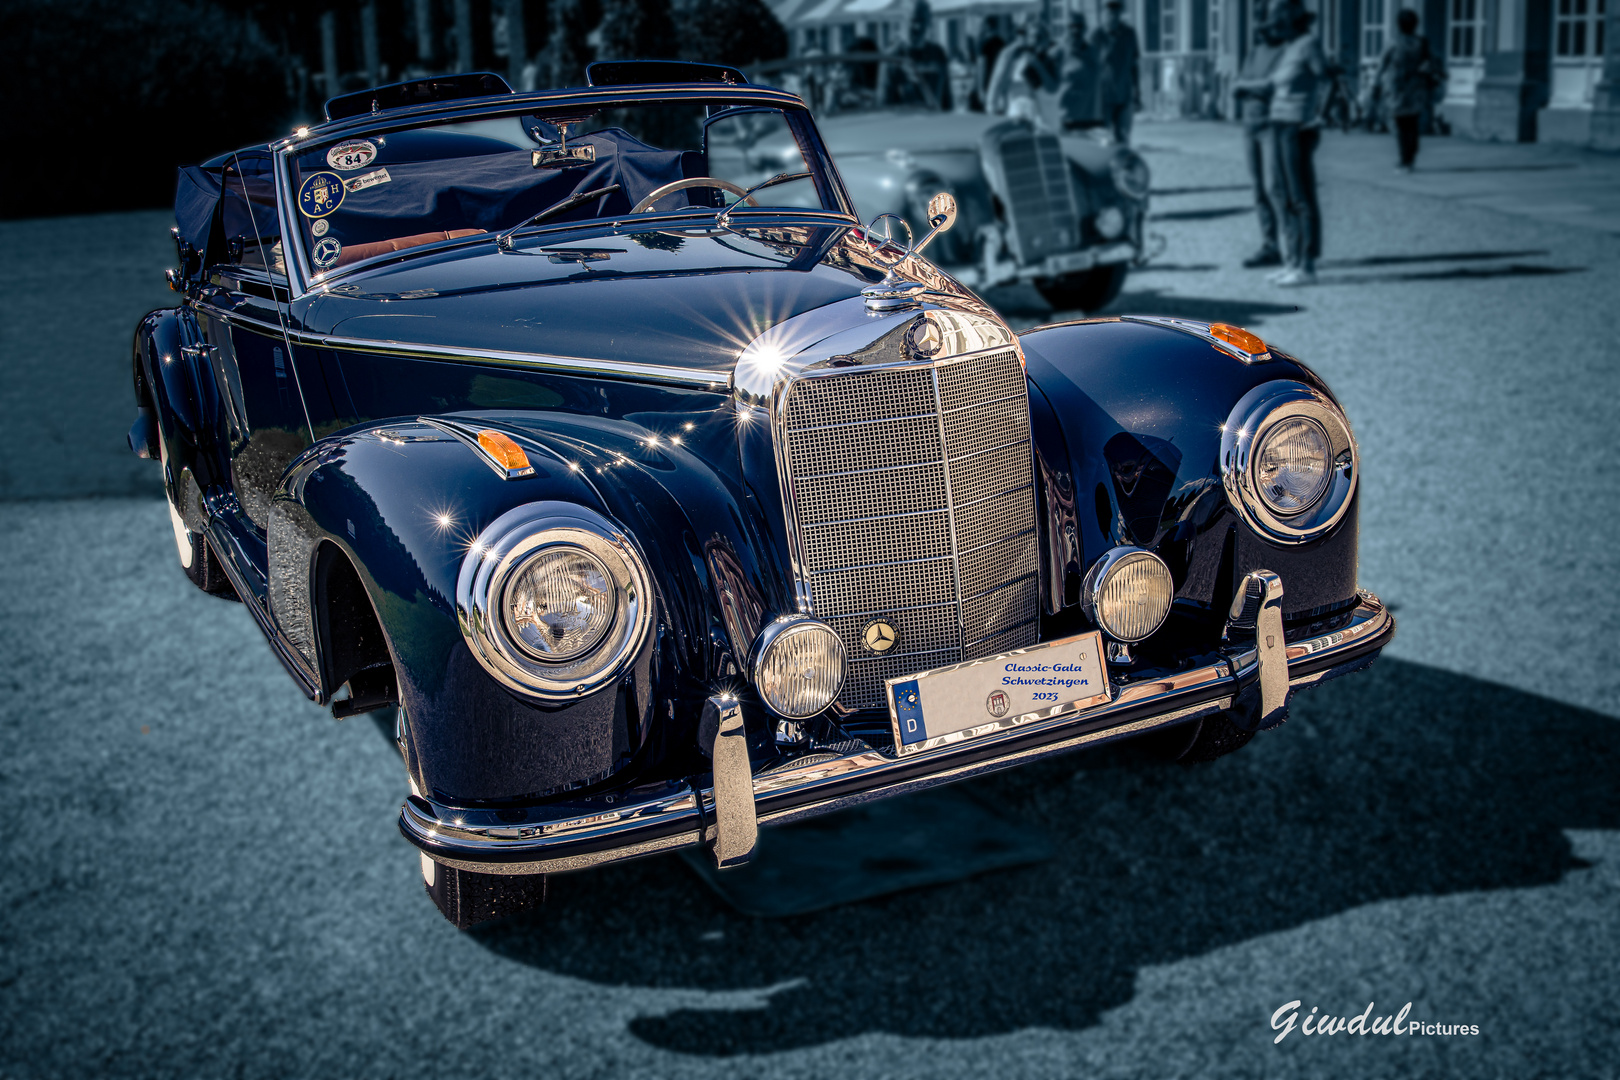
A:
(1140, 408)
(403, 501)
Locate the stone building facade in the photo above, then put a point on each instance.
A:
(1520, 70)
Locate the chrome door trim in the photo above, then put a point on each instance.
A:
(568, 365)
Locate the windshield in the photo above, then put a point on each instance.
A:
(506, 177)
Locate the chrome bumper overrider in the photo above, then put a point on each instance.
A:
(556, 838)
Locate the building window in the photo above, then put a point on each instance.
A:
(1579, 27)
(1467, 28)
(1372, 28)
(1167, 25)
(1216, 45)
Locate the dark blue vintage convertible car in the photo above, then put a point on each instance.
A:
(660, 506)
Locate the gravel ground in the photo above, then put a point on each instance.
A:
(203, 875)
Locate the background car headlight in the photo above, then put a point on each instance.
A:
(798, 666)
(554, 600)
(559, 603)
(1288, 462)
(1127, 593)
(1110, 222)
(1291, 466)
(1131, 174)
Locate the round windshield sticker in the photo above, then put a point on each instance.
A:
(349, 156)
(321, 194)
(320, 226)
(326, 253)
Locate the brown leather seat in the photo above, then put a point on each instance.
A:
(355, 252)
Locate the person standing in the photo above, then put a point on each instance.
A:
(919, 72)
(1119, 83)
(1251, 93)
(1077, 79)
(1408, 73)
(1021, 69)
(1297, 85)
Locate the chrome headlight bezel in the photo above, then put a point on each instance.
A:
(1103, 570)
(779, 631)
(1245, 432)
(1130, 173)
(494, 561)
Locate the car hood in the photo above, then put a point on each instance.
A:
(631, 295)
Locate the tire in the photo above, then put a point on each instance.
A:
(1088, 291)
(466, 898)
(1202, 740)
(199, 562)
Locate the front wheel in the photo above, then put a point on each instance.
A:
(1088, 291)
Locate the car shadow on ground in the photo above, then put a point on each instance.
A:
(1402, 781)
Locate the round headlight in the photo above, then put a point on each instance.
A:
(559, 604)
(1127, 593)
(554, 600)
(1288, 462)
(1110, 222)
(1131, 174)
(1291, 466)
(798, 666)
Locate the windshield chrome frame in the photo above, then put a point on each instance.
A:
(301, 275)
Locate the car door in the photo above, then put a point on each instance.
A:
(272, 396)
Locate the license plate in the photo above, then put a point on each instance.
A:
(964, 701)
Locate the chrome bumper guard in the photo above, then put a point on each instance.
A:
(558, 838)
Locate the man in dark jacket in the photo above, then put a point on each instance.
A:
(1252, 94)
(1077, 78)
(924, 80)
(1408, 75)
(1119, 84)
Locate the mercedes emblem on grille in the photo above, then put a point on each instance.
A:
(880, 635)
(925, 337)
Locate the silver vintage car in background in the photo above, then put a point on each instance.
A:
(1063, 213)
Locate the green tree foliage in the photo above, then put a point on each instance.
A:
(739, 32)
(149, 85)
(637, 30)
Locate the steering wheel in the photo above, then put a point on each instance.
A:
(692, 182)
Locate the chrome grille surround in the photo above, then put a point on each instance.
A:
(910, 497)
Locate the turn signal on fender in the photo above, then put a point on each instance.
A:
(504, 450)
(1238, 337)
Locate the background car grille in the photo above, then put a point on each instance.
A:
(914, 501)
(1041, 201)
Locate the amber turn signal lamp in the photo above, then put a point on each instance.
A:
(1238, 337)
(503, 449)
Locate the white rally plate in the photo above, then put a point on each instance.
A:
(981, 697)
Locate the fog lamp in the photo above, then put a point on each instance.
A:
(1127, 593)
(798, 666)
(1110, 222)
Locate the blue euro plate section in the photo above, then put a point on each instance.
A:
(908, 707)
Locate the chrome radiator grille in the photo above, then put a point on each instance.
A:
(913, 501)
(1040, 199)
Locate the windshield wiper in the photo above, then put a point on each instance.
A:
(503, 242)
(723, 217)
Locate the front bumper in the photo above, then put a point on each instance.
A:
(1005, 271)
(561, 837)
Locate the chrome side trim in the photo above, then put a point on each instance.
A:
(1202, 331)
(562, 837)
(570, 365)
